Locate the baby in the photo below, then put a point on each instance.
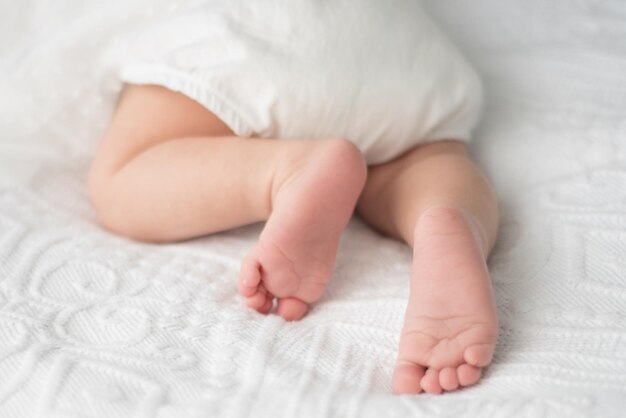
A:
(299, 113)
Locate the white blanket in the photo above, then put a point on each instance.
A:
(96, 325)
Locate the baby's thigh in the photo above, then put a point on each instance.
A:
(147, 115)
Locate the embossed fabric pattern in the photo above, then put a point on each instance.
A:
(95, 325)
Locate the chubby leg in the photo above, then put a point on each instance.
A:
(168, 170)
(436, 199)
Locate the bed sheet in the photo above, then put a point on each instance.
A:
(95, 325)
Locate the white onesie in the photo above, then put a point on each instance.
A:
(377, 72)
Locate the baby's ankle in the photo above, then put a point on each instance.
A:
(450, 213)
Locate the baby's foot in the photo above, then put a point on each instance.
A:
(294, 258)
(450, 326)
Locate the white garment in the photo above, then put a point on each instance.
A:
(378, 73)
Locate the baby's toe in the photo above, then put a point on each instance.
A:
(478, 355)
(248, 291)
(256, 301)
(267, 306)
(292, 309)
(407, 377)
(249, 276)
(430, 382)
(467, 374)
(448, 379)
(260, 299)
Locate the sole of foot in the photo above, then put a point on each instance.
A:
(450, 326)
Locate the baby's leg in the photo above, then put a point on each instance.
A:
(436, 200)
(168, 170)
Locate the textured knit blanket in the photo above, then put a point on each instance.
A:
(93, 325)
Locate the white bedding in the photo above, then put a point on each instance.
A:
(95, 325)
